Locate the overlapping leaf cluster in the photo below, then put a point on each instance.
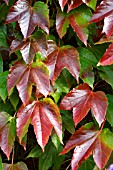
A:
(55, 58)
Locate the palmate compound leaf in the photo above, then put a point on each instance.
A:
(43, 115)
(78, 19)
(107, 58)
(29, 17)
(25, 76)
(60, 57)
(86, 141)
(105, 11)
(82, 99)
(36, 43)
(7, 133)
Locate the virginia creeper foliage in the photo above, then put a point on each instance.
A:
(56, 84)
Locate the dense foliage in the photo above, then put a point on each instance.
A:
(56, 84)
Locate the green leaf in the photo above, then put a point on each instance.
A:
(87, 75)
(3, 85)
(92, 4)
(58, 160)
(88, 164)
(1, 64)
(1, 167)
(68, 121)
(14, 99)
(3, 35)
(35, 152)
(55, 139)
(3, 11)
(6, 107)
(45, 160)
(107, 138)
(105, 73)
(87, 60)
(109, 114)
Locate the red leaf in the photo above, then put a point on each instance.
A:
(7, 137)
(74, 4)
(30, 47)
(105, 11)
(29, 17)
(62, 3)
(82, 99)
(99, 105)
(101, 153)
(43, 116)
(107, 58)
(66, 56)
(25, 76)
(86, 142)
(24, 119)
(82, 152)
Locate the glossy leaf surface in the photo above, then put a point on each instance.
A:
(65, 56)
(75, 3)
(25, 76)
(87, 141)
(43, 116)
(7, 133)
(78, 19)
(29, 17)
(30, 47)
(82, 100)
(107, 58)
(105, 11)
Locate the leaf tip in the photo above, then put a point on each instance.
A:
(98, 64)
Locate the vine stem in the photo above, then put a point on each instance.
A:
(68, 166)
(12, 158)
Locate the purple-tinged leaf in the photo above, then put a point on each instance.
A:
(66, 56)
(29, 17)
(105, 11)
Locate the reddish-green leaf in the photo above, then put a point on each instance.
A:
(78, 19)
(4, 118)
(75, 3)
(105, 11)
(30, 47)
(24, 119)
(82, 99)
(66, 56)
(7, 137)
(17, 166)
(29, 17)
(25, 76)
(107, 58)
(43, 116)
(88, 141)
